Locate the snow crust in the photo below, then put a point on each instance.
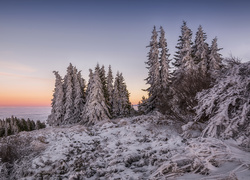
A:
(142, 147)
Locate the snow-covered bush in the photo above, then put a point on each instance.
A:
(226, 106)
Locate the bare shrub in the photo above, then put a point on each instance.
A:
(13, 148)
(8, 153)
(232, 60)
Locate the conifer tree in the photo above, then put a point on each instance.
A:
(126, 104)
(183, 57)
(116, 97)
(121, 103)
(95, 108)
(57, 112)
(78, 95)
(88, 87)
(200, 51)
(142, 105)
(82, 84)
(164, 62)
(69, 95)
(187, 60)
(97, 68)
(187, 80)
(153, 79)
(40, 125)
(110, 89)
(102, 74)
(164, 93)
(215, 59)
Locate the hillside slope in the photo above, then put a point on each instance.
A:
(143, 147)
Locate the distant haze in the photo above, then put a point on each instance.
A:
(33, 113)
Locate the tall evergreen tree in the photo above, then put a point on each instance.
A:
(164, 61)
(142, 105)
(57, 112)
(200, 51)
(82, 84)
(187, 60)
(116, 97)
(69, 95)
(102, 74)
(153, 79)
(110, 88)
(183, 57)
(215, 59)
(95, 108)
(97, 68)
(88, 87)
(79, 99)
(164, 93)
(121, 103)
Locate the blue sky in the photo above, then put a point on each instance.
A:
(37, 37)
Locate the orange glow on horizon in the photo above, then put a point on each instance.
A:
(25, 100)
(36, 101)
(41, 96)
(136, 96)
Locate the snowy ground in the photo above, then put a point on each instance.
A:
(143, 147)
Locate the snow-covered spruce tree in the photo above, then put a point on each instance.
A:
(225, 108)
(110, 89)
(79, 99)
(69, 95)
(116, 97)
(97, 68)
(187, 60)
(82, 85)
(88, 87)
(215, 59)
(142, 105)
(164, 62)
(200, 51)
(57, 112)
(102, 74)
(184, 62)
(95, 109)
(153, 79)
(121, 103)
(187, 80)
(164, 73)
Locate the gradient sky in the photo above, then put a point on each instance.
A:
(37, 37)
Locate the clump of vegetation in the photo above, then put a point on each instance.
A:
(13, 150)
(13, 125)
(196, 66)
(105, 97)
